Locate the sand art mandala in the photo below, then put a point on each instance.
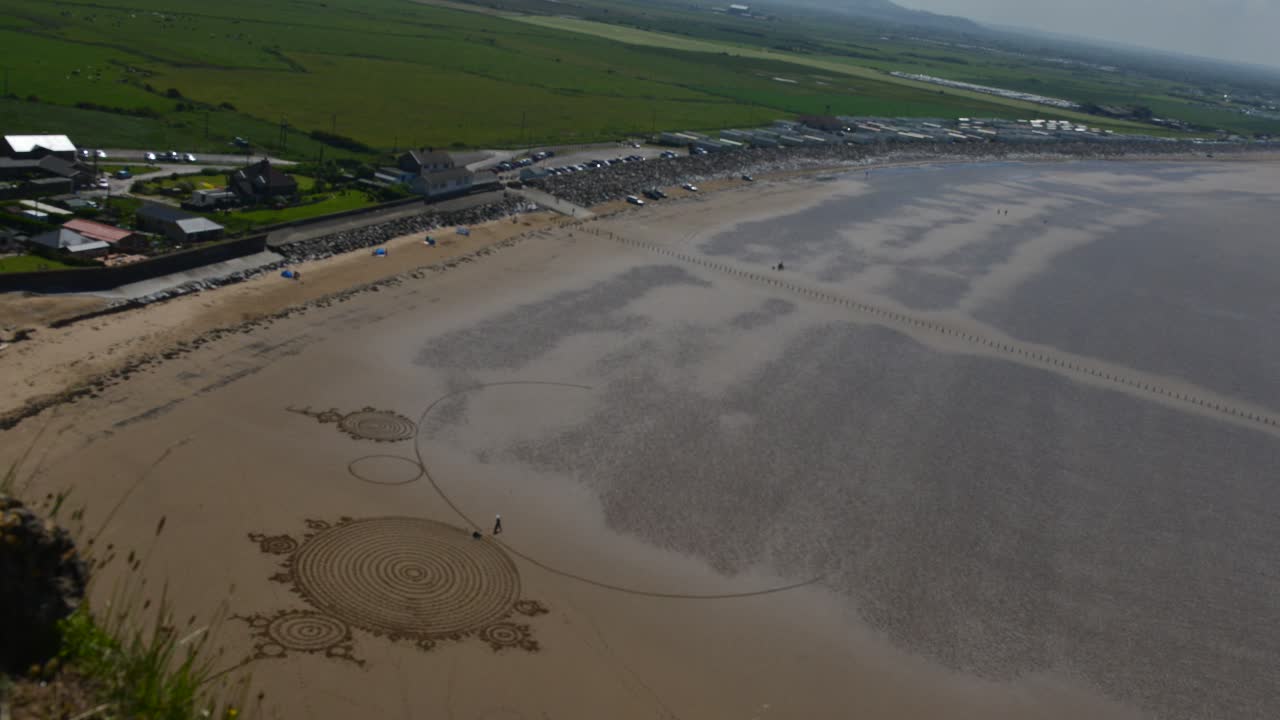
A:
(400, 578)
(367, 424)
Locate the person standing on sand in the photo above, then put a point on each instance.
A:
(497, 525)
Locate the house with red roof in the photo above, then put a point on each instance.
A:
(119, 239)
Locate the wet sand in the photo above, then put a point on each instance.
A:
(993, 465)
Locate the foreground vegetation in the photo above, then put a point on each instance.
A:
(132, 660)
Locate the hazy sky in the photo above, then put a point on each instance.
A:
(1247, 30)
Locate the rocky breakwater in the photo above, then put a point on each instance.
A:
(372, 235)
(42, 580)
(617, 181)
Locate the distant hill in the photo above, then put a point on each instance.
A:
(889, 13)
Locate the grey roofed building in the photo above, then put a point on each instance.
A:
(194, 226)
(71, 241)
(176, 224)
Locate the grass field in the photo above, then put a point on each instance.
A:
(393, 73)
(29, 263)
(245, 220)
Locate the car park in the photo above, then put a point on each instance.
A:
(634, 200)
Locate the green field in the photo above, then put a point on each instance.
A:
(29, 263)
(314, 206)
(390, 74)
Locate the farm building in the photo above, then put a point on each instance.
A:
(739, 9)
(50, 170)
(260, 182)
(178, 225)
(37, 146)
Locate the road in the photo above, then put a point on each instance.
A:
(117, 155)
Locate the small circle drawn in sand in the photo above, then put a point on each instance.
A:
(385, 469)
(366, 424)
(378, 425)
(504, 635)
(274, 544)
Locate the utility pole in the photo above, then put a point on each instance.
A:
(333, 123)
(653, 130)
(6, 81)
(523, 136)
(206, 124)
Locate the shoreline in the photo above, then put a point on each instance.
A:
(209, 322)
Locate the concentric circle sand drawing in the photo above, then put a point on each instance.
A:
(304, 631)
(401, 578)
(366, 424)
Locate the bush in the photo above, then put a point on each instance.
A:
(172, 93)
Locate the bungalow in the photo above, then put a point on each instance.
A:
(119, 238)
(72, 242)
(260, 181)
(178, 225)
(444, 183)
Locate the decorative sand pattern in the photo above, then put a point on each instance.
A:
(401, 578)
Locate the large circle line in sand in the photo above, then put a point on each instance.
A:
(426, 472)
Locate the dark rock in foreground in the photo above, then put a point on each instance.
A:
(42, 580)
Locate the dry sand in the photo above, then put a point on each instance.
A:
(967, 514)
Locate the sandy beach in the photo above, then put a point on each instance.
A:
(997, 441)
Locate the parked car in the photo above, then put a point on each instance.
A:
(690, 187)
(151, 157)
(100, 154)
(667, 155)
(748, 178)
(652, 194)
(103, 182)
(123, 174)
(85, 154)
(661, 195)
(698, 151)
(189, 158)
(634, 200)
(635, 144)
(241, 142)
(172, 155)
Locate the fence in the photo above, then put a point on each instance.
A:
(106, 278)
